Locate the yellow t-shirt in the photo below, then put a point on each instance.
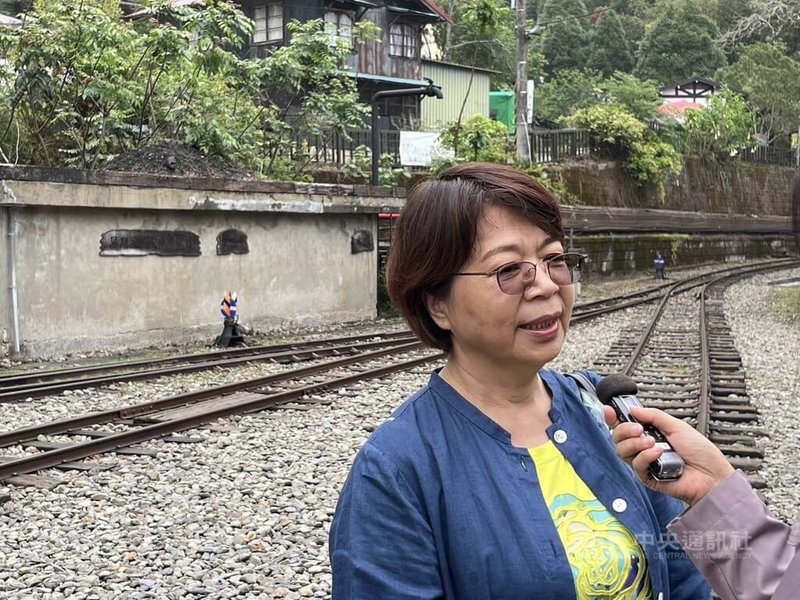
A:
(607, 561)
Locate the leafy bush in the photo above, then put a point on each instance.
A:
(79, 85)
(651, 159)
(359, 169)
(641, 98)
(613, 128)
(619, 135)
(721, 130)
(480, 139)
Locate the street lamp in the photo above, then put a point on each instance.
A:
(429, 90)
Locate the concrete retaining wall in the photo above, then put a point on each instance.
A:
(617, 254)
(299, 268)
(5, 310)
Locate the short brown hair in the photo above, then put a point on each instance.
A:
(436, 234)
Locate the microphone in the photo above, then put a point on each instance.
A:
(619, 392)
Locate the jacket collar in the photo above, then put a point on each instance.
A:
(472, 413)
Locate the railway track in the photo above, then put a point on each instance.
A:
(121, 429)
(685, 362)
(668, 367)
(39, 384)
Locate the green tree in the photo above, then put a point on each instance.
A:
(721, 130)
(725, 13)
(488, 19)
(482, 35)
(619, 135)
(637, 8)
(609, 50)
(484, 140)
(679, 44)
(633, 16)
(641, 98)
(564, 40)
(771, 80)
(306, 95)
(568, 91)
(80, 85)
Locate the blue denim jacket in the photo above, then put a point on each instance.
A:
(439, 504)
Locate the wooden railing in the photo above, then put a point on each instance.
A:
(559, 144)
(336, 149)
(547, 146)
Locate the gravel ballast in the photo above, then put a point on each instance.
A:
(246, 513)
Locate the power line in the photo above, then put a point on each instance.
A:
(596, 11)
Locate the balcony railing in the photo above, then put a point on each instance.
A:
(769, 155)
(562, 144)
(335, 149)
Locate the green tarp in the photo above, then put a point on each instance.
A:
(501, 108)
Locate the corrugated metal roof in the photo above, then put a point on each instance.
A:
(386, 79)
(438, 10)
(9, 21)
(457, 66)
(410, 11)
(434, 10)
(364, 3)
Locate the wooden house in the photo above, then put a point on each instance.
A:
(393, 63)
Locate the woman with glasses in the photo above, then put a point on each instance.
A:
(495, 481)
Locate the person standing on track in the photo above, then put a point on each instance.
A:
(496, 480)
(658, 265)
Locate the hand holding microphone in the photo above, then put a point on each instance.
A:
(704, 466)
(619, 392)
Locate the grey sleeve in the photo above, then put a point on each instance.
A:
(735, 541)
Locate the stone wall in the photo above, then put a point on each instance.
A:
(736, 188)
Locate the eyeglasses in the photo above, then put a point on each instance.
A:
(516, 277)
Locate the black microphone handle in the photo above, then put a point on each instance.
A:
(619, 392)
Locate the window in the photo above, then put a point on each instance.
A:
(401, 110)
(268, 23)
(339, 25)
(403, 40)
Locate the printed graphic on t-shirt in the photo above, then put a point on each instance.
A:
(607, 561)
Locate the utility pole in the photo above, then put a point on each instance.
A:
(521, 86)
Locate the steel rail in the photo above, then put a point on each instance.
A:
(32, 391)
(106, 443)
(17, 436)
(706, 387)
(692, 282)
(704, 404)
(55, 457)
(42, 376)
